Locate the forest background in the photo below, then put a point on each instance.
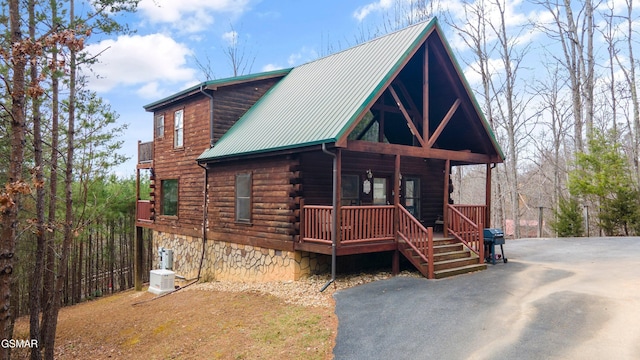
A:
(557, 86)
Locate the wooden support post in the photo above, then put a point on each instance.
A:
(430, 257)
(395, 263)
(481, 243)
(425, 93)
(339, 202)
(395, 266)
(137, 263)
(447, 173)
(488, 197)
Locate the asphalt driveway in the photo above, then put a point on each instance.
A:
(576, 298)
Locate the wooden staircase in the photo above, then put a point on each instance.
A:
(450, 258)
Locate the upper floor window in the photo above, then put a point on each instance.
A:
(169, 197)
(159, 125)
(243, 197)
(178, 134)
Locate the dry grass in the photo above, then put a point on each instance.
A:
(193, 324)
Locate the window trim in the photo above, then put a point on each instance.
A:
(178, 129)
(417, 196)
(158, 134)
(162, 197)
(248, 199)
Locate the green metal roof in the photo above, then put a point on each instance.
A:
(213, 84)
(317, 102)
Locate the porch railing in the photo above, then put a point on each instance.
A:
(143, 210)
(366, 223)
(417, 237)
(358, 224)
(317, 224)
(464, 228)
(145, 152)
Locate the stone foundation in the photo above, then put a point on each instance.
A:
(236, 262)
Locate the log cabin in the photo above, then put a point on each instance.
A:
(272, 176)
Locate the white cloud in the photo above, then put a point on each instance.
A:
(303, 56)
(271, 67)
(362, 12)
(147, 61)
(230, 37)
(189, 16)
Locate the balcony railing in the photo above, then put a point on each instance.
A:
(145, 152)
(143, 211)
(358, 224)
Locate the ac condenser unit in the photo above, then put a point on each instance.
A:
(161, 281)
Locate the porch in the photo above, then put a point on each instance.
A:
(377, 228)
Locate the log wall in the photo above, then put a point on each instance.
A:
(316, 170)
(274, 203)
(230, 103)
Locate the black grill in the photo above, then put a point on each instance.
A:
(493, 237)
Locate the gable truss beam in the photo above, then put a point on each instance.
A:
(413, 109)
(442, 58)
(410, 123)
(425, 153)
(444, 123)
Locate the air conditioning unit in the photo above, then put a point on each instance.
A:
(161, 281)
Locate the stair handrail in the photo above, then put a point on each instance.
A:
(470, 238)
(405, 218)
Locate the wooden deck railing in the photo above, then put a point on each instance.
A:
(317, 224)
(358, 224)
(476, 213)
(367, 223)
(417, 237)
(143, 210)
(145, 152)
(465, 229)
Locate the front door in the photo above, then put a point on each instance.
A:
(382, 193)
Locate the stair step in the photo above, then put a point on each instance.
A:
(451, 255)
(454, 263)
(459, 270)
(439, 249)
(445, 241)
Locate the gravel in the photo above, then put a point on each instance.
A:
(305, 292)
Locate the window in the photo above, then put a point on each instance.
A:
(350, 190)
(243, 197)
(159, 125)
(178, 134)
(169, 194)
(380, 191)
(412, 196)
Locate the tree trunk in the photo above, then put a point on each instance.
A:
(10, 212)
(35, 291)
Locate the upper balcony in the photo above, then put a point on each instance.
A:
(145, 154)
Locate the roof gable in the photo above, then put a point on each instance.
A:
(322, 101)
(317, 102)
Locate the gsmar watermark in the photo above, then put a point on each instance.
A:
(16, 343)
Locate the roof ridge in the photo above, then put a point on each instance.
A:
(423, 22)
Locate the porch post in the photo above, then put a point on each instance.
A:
(395, 262)
(338, 195)
(137, 260)
(488, 197)
(425, 93)
(445, 218)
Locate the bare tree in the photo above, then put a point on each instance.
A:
(10, 197)
(236, 53)
(574, 32)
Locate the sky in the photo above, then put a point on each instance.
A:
(171, 37)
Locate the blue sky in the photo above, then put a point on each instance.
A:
(160, 58)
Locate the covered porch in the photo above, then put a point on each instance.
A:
(378, 228)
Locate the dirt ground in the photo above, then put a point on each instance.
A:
(192, 324)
